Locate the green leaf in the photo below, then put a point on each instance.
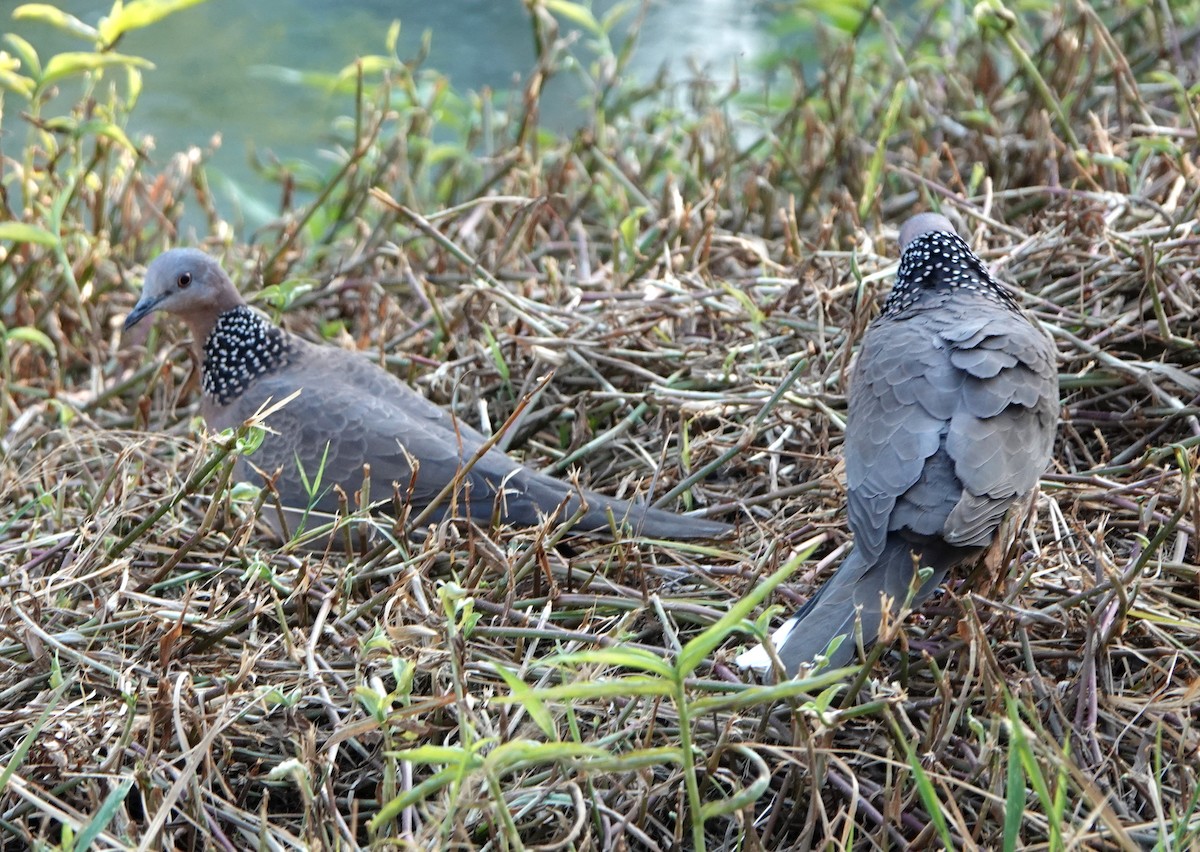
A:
(19, 232)
(575, 12)
(438, 154)
(629, 658)
(66, 414)
(629, 228)
(449, 755)
(134, 82)
(519, 754)
(699, 648)
(244, 492)
(874, 176)
(843, 15)
(598, 689)
(1159, 618)
(17, 84)
(524, 695)
(104, 815)
(1117, 164)
(56, 18)
(371, 701)
(497, 355)
(64, 124)
(632, 761)
(403, 672)
(615, 14)
(108, 130)
(757, 696)
(1014, 801)
(17, 758)
(978, 176)
(283, 295)
(1019, 742)
(929, 797)
(746, 797)
(371, 66)
(249, 443)
(68, 64)
(26, 334)
(823, 701)
(757, 317)
(419, 793)
(25, 50)
(138, 14)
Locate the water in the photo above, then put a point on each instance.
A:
(211, 75)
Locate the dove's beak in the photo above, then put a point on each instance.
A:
(144, 306)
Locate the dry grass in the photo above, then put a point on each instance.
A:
(695, 299)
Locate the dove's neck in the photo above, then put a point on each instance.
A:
(940, 264)
(240, 347)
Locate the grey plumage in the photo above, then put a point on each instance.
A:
(953, 408)
(351, 412)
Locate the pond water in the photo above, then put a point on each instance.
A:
(214, 64)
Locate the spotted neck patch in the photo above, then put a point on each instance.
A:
(938, 261)
(241, 347)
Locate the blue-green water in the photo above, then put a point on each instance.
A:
(211, 63)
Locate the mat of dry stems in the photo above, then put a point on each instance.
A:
(200, 659)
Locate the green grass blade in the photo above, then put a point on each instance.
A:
(929, 798)
(523, 694)
(699, 648)
(1014, 800)
(103, 816)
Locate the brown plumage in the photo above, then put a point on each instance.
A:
(952, 413)
(351, 412)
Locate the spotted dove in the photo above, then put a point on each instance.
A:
(351, 412)
(952, 413)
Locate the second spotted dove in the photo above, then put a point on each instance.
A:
(351, 412)
(953, 408)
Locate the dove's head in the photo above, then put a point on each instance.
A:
(922, 224)
(188, 283)
(937, 263)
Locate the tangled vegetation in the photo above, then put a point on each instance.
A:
(663, 303)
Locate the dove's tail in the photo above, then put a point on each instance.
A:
(542, 495)
(856, 589)
(647, 521)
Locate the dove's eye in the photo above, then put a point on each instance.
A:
(184, 280)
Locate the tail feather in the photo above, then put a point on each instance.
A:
(646, 520)
(548, 495)
(855, 591)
